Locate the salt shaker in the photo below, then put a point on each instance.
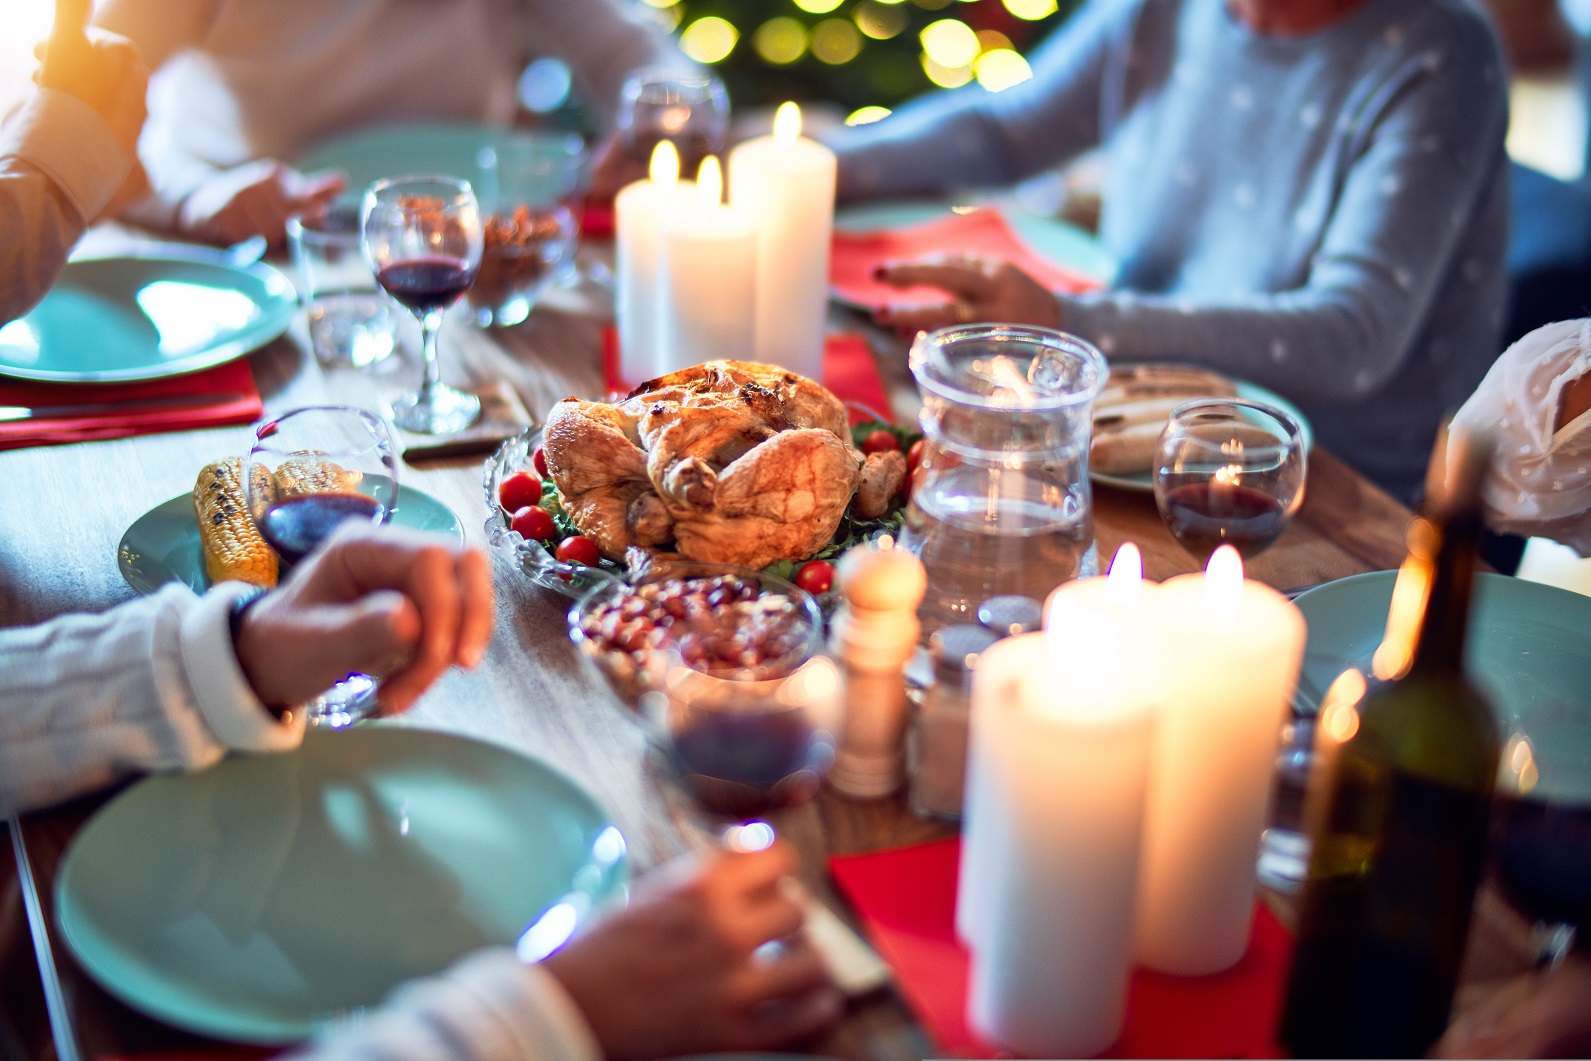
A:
(939, 734)
(873, 634)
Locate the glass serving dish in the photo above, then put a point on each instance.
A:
(724, 621)
(532, 557)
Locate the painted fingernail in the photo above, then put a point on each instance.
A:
(879, 272)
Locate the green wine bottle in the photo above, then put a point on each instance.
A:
(1398, 818)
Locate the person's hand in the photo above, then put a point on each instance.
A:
(613, 167)
(1573, 401)
(982, 289)
(105, 72)
(679, 972)
(379, 600)
(255, 198)
(1542, 1014)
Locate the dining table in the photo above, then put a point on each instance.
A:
(64, 508)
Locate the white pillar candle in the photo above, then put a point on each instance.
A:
(639, 213)
(786, 182)
(1055, 826)
(708, 282)
(1232, 649)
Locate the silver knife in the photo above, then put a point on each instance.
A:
(13, 413)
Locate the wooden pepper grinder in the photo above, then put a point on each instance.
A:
(873, 634)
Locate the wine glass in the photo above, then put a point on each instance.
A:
(1228, 472)
(309, 472)
(689, 108)
(423, 238)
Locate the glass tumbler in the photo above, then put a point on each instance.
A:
(350, 322)
(1001, 502)
(529, 185)
(689, 108)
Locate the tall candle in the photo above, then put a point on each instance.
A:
(1057, 821)
(1233, 649)
(708, 282)
(786, 182)
(639, 212)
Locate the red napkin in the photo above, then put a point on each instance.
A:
(848, 370)
(237, 401)
(596, 220)
(907, 900)
(982, 233)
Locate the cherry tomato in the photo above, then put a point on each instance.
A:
(579, 550)
(815, 576)
(914, 457)
(518, 491)
(539, 461)
(533, 524)
(880, 441)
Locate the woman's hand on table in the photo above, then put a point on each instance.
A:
(983, 289)
(1541, 1014)
(680, 971)
(379, 600)
(255, 198)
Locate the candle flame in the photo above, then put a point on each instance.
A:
(710, 181)
(1410, 593)
(1223, 582)
(664, 169)
(1339, 709)
(1125, 580)
(787, 123)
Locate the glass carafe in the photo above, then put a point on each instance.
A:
(1001, 502)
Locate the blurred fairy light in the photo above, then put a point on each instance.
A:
(660, 3)
(990, 39)
(835, 41)
(880, 19)
(667, 17)
(946, 76)
(780, 41)
(545, 85)
(950, 43)
(1001, 68)
(1031, 10)
(932, 5)
(818, 7)
(709, 40)
(867, 115)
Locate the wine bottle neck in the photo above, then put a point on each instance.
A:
(1440, 645)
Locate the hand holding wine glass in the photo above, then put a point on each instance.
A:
(311, 471)
(423, 237)
(1228, 472)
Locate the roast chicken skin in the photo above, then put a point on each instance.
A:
(733, 461)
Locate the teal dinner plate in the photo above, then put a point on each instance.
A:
(122, 319)
(1144, 482)
(445, 149)
(1054, 241)
(162, 545)
(1529, 650)
(269, 894)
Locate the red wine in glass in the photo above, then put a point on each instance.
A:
(296, 526)
(426, 285)
(1206, 515)
(745, 764)
(1541, 854)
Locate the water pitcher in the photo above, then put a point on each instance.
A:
(1001, 503)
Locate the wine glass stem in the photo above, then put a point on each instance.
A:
(430, 328)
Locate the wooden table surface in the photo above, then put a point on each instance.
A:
(63, 510)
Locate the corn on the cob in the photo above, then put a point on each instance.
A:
(233, 548)
(311, 473)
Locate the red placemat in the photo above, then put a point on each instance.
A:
(848, 370)
(907, 901)
(981, 233)
(236, 401)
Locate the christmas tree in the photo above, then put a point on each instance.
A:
(864, 55)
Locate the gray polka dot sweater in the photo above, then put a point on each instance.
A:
(1324, 215)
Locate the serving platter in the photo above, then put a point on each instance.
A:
(163, 544)
(139, 318)
(270, 894)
